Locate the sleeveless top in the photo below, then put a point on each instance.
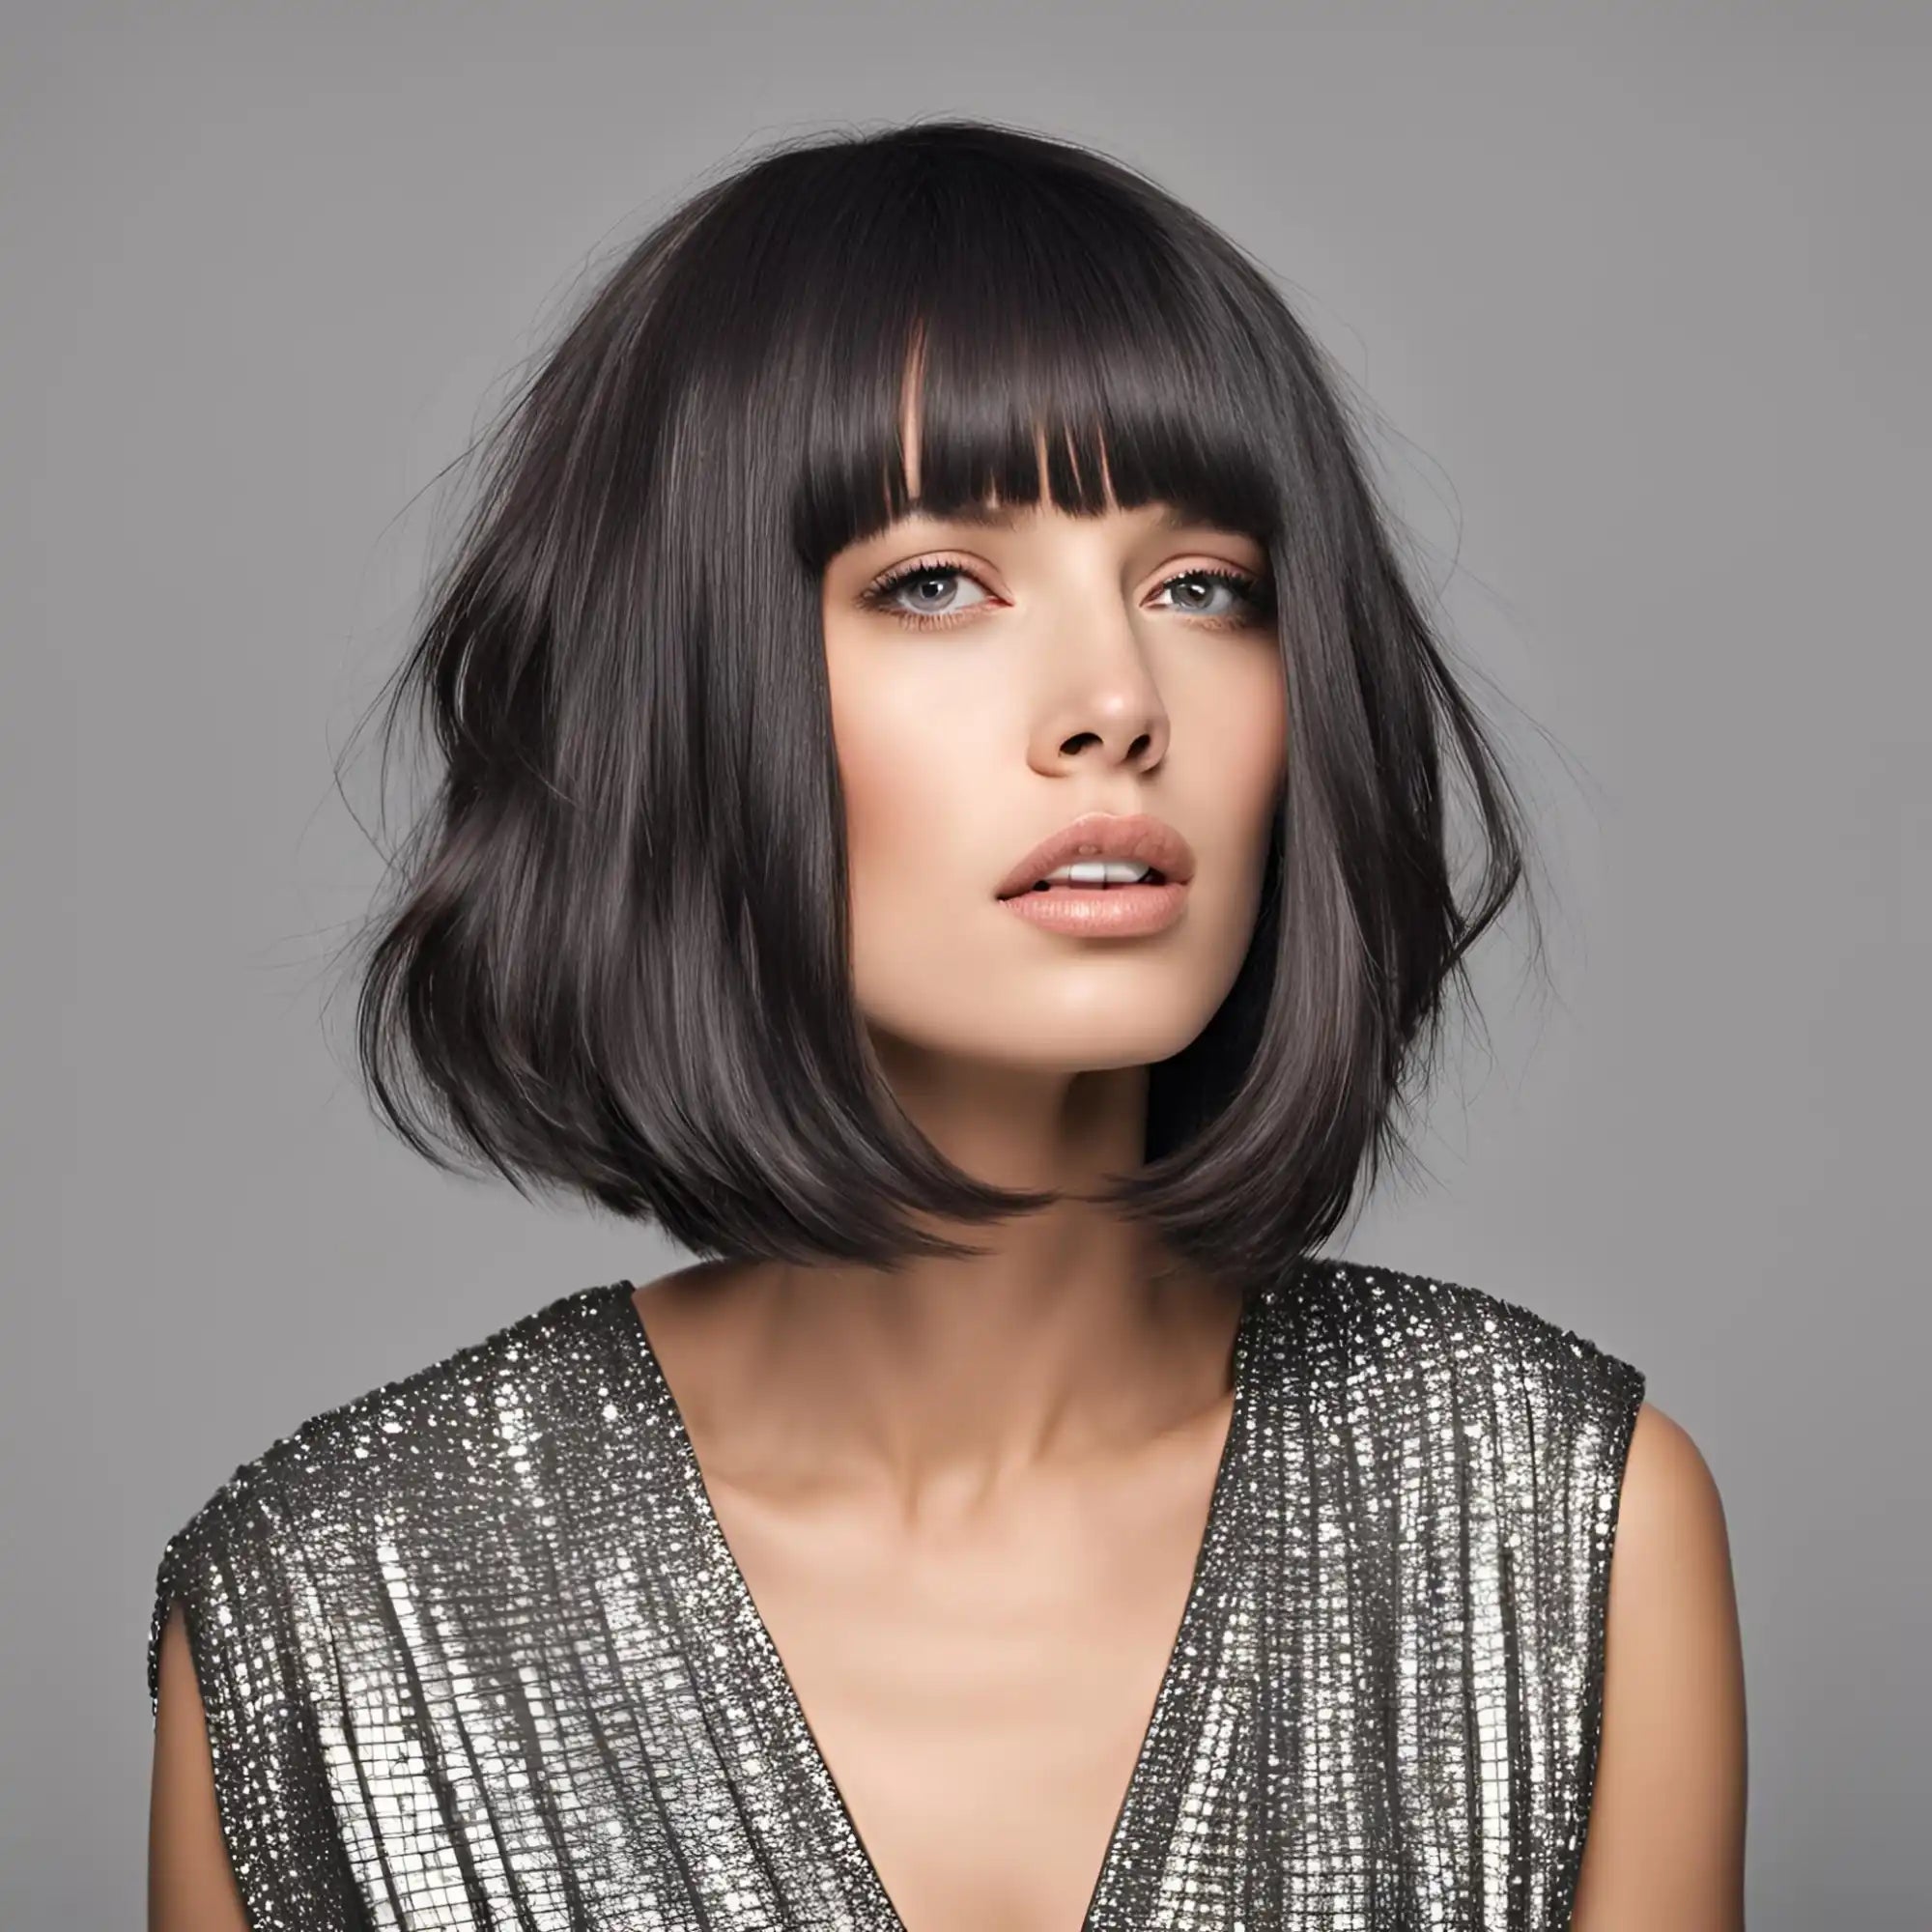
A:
(474, 1653)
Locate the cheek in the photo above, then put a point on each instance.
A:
(923, 857)
(1230, 753)
(912, 765)
(1261, 752)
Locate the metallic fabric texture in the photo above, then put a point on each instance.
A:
(474, 1652)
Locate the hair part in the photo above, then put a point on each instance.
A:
(615, 959)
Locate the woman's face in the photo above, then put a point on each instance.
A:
(992, 681)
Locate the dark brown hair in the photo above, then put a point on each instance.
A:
(616, 962)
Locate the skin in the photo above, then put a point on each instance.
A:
(1665, 1850)
(975, 1574)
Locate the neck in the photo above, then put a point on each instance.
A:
(1071, 1336)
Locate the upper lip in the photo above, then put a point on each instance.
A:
(1104, 835)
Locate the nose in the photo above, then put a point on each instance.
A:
(1100, 702)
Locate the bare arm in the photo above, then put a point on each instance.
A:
(190, 1885)
(1665, 1846)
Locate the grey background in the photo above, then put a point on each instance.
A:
(1641, 294)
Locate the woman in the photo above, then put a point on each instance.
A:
(945, 812)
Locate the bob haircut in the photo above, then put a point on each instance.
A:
(616, 959)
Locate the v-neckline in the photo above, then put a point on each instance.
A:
(778, 1681)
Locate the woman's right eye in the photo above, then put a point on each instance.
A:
(920, 580)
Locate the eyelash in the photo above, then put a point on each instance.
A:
(879, 596)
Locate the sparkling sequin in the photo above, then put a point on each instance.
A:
(474, 1652)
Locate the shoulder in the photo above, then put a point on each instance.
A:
(412, 1457)
(507, 1392)
(1667, 1812)
(1669, 1485)
(1434, 1396)
(1427, 1337)
(1670, 1584)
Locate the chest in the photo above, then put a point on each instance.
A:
(981, 1697)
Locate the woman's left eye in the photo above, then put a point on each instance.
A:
(1245, 589)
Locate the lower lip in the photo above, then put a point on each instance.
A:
(1102, 912)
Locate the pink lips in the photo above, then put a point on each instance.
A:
(1103, 911)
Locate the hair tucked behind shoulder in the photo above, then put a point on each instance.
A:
(614, 962)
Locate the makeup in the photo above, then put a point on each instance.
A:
(1101, 912)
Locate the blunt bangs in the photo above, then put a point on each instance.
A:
(616, 962)
(1119, 351)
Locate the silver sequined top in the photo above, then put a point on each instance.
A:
(474, 1652)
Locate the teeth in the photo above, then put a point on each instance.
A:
(1099, 872)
